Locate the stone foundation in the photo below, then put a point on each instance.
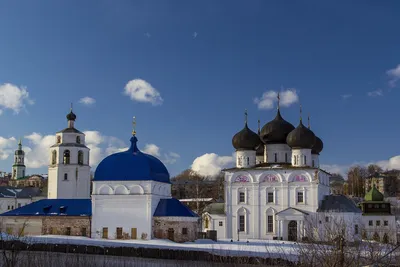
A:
(66, 225)
(178, 229)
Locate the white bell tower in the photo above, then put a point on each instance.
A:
(69, 170)
(18, 168)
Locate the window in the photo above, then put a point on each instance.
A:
(12, 207)
(83, 231)
(242, 197)
(58, 139)
(285, 157)
(276, 157)
(8, 207)
(305, 160)
(376, 206)
(248, 161)
(66, 157)
(300, 197)
(65, 176)
(313, 164)
(19, 205)
(370, 223)
(270, 223)
(119, 232)
(54, 157)
(385, 223)
(326, 219)
(221, 223)
(383, 206)
(184, 231)
(105, 232)
(80, 157)
(68, 231)
(356, 229)
(241, 223)
(270, 198)
(240, 161)
(78, 139)
(378, 223)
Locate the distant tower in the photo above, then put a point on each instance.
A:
(18, 168)
(69, 170)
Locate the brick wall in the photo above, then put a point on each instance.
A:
(58, 225)
(174, 229)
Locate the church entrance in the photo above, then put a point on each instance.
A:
(171, 234)
(292, 231)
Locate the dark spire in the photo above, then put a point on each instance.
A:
(259, 129)
(279, 98)
(309, 121)
(301, 111)
(245, 116)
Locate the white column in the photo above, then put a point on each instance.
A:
(279, 228)
(298, 230)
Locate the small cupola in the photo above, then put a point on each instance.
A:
(71, 117)
(374, 195)
(246, 139)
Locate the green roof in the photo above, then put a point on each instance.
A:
(215, 208)
(373, 195)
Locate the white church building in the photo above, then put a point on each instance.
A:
(130, 198)
(276, 188)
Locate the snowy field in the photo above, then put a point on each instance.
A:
(256, 248)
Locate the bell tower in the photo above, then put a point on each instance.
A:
(18, 168)
(69, 170)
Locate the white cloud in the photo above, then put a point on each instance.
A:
(37, 150)
(166, 158)
(392, 163)
(171, 158)
(14, 97)
(211, 164)
(7, 147)
(269, 98)
(378, 92)
(87, 100)
(394, 76)
(142, 91)
(152, 149)
(346, 96)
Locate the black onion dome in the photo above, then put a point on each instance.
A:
(301, 137)
(318, 146)
(276, 131)
(246, 139)
(71, 116)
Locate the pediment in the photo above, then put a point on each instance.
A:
(291, 212)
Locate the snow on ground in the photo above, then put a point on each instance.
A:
(257, 248)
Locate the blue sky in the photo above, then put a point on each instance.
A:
(203, 63)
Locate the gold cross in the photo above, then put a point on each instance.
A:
(134, 126)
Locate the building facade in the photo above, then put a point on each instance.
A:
(271, 197)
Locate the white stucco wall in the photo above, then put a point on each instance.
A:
(126, 204)
(245, 158)
(77, 184)
(282, 151)
(301, 157)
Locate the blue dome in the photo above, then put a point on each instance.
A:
(131, 165)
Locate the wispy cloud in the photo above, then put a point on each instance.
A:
(375, 93)
(269, 98)
(87, 100)
(13, 97)
(148, 35)
(346, 96)
(195, 35)
(394, 75)
(142, 91)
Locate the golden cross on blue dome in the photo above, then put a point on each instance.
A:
(134, 126)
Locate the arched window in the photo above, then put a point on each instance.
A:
(54, 157)
(78, 139)
(23, 173)
(313, 163)
(80, 157)
(58, 139)
(66, 157)
(305, 160)
(285, 157)
(248, 161)
(65, 176)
